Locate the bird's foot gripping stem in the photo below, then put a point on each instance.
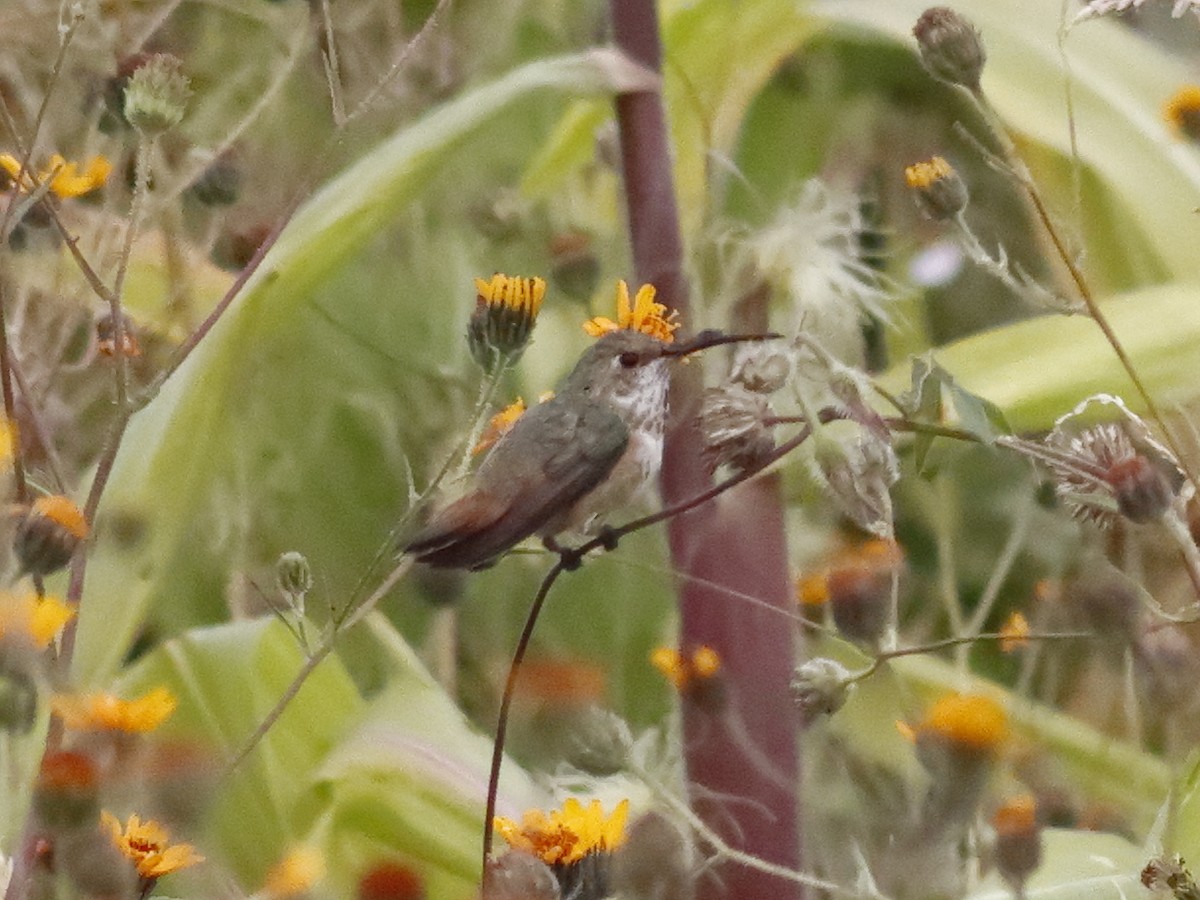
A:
(571, 558)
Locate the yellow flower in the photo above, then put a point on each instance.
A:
(65, 178)
(684, 672)
(146, 844)
(1014, 633)
(506, 309)
(300, 869)
(500, 424)
(938, 189)
(644, 314)
(1182, 111)
(8, 442)
(40, 619)
(970, 721)
(104, 712)
(568, 835)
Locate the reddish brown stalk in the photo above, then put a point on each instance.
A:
(736, 544)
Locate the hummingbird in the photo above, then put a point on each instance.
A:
(569, 461)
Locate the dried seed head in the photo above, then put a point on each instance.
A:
(938, 189)
(950, 46)
(820, 687)
(1115, 469)
(762, 368)
(733, 421)
(157, 94)
(1170, 874)
(859, 479)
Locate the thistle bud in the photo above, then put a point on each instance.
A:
(602, 742)
(506, 309)
(820, 687)
(860, 590)
(156, 95)
(950, 47)
(67, 791)
(1018, 840)
(47, 534)
(939, 191)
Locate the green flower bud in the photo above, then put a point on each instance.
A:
(157, 94)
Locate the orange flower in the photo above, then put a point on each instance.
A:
(1014, 634)
(500, 424)
(566, 836)
(686, 672)
(1182, 111)
(643, 314)
(146, 844)
(38, 619)
(295, 874)
(970, 721)
(105, 712)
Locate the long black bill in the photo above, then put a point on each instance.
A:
(712, 338)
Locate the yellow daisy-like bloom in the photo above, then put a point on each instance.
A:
(1014, 633)
(970, 721)
(506, 309)
(686, 672)
(39, 619)
(928, 173)
(66, 180)
(147, 845)
(105, 712)
(300, 869)
(1182, 111)
(568, 835)
(500, 424)
(643, 314)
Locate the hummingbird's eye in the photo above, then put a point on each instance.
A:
(629, 359)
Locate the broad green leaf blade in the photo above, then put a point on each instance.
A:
(282, 426)
(1116, 107)
(227, 679)
(1038, 369)
(409, 783)
(1078, 865)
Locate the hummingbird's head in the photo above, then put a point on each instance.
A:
(625, 368)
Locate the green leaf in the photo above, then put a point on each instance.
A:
(227, 678)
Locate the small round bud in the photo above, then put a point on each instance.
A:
(47, 534)
(67, 791)
(292, 574)
(602, 741)
(106, 337)
(520, 876)
(860, 590)
(18, 702)
(156, 95)
(950, 47)
(939, 191)
(219, 184)
(1018, 840)
(820, 687)
(391, 881)
(574, 268)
